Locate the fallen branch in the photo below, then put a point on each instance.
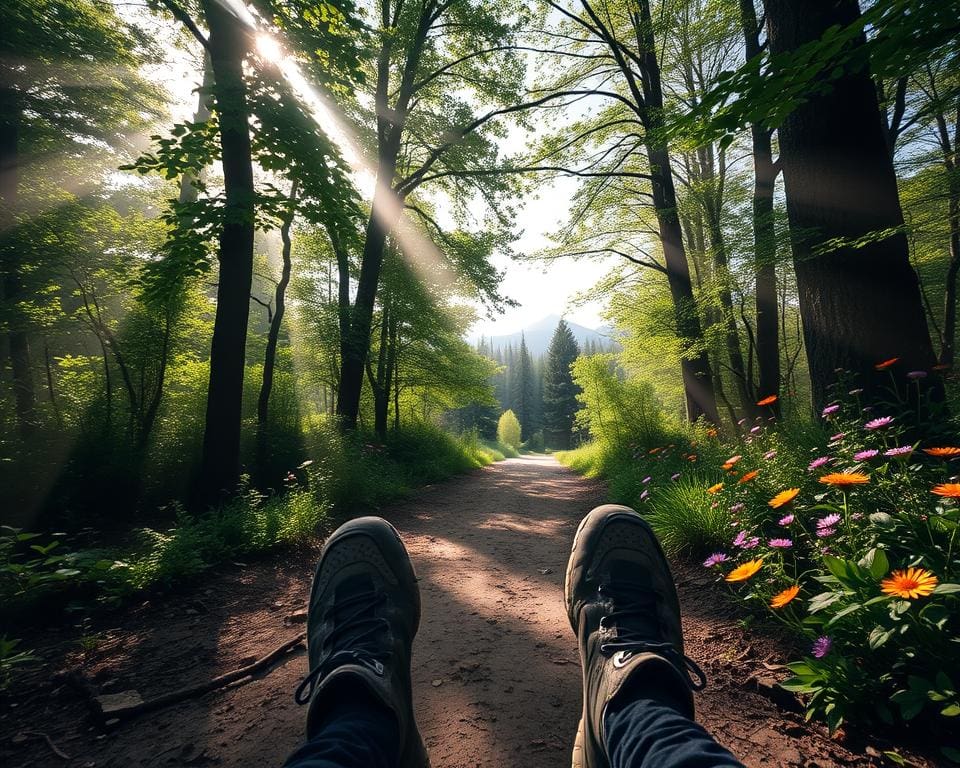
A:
(114, 715)
(40, 735)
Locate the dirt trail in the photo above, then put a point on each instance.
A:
(495, 666)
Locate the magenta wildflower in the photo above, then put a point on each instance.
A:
(821, 646)
(817, 463)
(787, 519)
(715, 559)
(770, 455)
(830, 410)
(755, 430)
(741, 422)
(644, 495)
(903, 450)
(914, 375)
(883, 421)
(647, 479)
(737, 508)
(823, 533)
(838, 436)
(744, 542)
(856, 392)
(780, 543)
(864, 455)
(675, 477)
(830, 521)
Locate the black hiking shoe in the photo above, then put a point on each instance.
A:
(623, 606)
(363, 614)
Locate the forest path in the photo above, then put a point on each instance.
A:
(495, 666)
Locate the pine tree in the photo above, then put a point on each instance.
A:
(559, 392)
(522, 376)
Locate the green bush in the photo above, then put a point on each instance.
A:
(508, 430)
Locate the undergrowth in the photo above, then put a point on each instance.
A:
(343, 478)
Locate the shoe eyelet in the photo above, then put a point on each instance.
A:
(620, 659)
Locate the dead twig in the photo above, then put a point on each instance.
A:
(113, 716)
(53, 747)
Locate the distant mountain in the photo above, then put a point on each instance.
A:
(539, 334)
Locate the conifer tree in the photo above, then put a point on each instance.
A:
(523, 390)
(559, 391)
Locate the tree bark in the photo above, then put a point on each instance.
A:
(25, 399)
(860, 306)
(764, 236)
(221, 439)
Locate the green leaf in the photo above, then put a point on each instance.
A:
(946, 589)
(951, 711)
(845, 612)
(894, 757)
(876, 562)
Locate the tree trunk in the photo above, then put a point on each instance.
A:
(273, 335)
(860, 306)
(764, 236)
(694, 367)
(25, 400)
(947, 352)
(221, 438)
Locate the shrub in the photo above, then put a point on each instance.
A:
(508, 430)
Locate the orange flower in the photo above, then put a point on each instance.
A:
(886, 364)
(731, 461)
(910, 584)
(715, 488)
(652, 451)
(781, 599)
(951, 490)
(768, 400)
(942, 453)
(745, 571)
(783, 498)
(692, 457)
(749, 476)
(712, 432)
(845, 478)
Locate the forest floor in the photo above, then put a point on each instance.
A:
(495, 666)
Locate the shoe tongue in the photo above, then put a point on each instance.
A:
(350, 587)
(629, 573)
(636, 601)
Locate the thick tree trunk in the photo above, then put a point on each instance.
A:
(25, 400)
(860, 306)
(221, 439)
(764, 236)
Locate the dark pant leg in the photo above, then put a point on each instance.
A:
(647, 733)
(360, 732)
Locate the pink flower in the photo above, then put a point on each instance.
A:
(830, 521)
(864, 455)
(787, 519)
(817, 463)
(715, 559)
(821, 646)
(743, 542)
(647, 479)
(737, 508)
(830, 410)
(825, 532)
(883, 421)
(755, 430)
(838, 436)
(675, 477)
(895, 453)
(644, 496)
(770, 455)
(780, 543)
(914, 375)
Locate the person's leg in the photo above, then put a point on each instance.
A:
(638, 691)
(363, 614)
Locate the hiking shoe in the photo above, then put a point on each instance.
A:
(363, 614)
(623, 607)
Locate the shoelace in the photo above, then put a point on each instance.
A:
(353, 634)
(637, 601)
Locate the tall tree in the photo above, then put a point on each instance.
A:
(560, 403)
(859, 296)
(523, 390)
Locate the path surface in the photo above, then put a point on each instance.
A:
(495, 666)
